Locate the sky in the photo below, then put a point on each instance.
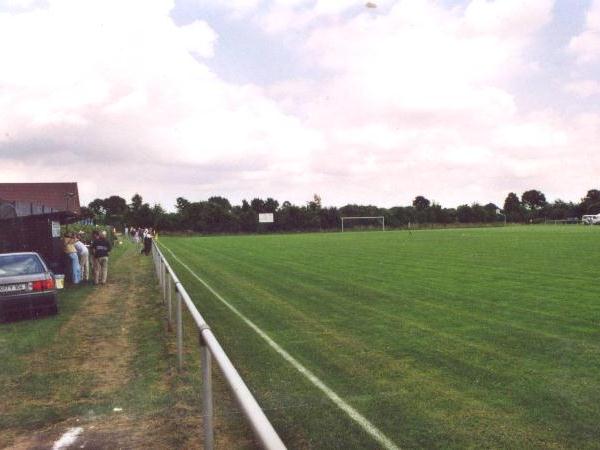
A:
(459, 101)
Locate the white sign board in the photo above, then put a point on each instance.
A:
(265, 218)
(55, 229)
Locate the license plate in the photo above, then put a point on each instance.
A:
(13, 287)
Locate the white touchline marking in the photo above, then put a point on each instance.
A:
(68, 438)
(340, 403)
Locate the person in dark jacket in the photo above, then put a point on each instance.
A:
(100, 249)
(148, 236)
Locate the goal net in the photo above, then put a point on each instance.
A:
(378, 220)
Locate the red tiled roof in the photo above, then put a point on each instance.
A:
(53, 195)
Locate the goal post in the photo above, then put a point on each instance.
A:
(382, 218)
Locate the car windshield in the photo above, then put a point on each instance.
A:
(12, 265)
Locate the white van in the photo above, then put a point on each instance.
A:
(591, 219)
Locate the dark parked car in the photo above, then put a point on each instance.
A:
(27, 287)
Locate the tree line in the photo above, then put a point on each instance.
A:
(218, 215)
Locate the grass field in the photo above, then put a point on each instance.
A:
(448, 338)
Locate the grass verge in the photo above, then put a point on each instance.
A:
(104, 363)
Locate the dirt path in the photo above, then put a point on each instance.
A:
(103, 375)
(102, 352)
(97, 350)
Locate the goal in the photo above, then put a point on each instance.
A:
(379, 218)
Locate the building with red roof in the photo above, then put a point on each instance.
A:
(51, 197)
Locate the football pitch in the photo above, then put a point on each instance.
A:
(480, 338)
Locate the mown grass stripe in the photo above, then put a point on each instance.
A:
(487, 339)
(365, 424)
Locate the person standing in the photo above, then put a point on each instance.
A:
(71, 252)
(100, 249)
(148, 235)
(84, 259)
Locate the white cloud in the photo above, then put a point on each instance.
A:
(418, 100)
(18, 5)
(586, 45)
(285, 15)
(583, 88)
(412, 98)
(507, 18)
(236, 9)
(87, 85)
(424, 58)
(199, 37)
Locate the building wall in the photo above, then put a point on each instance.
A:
(32, 234)
(57, 196)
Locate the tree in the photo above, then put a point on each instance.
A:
(136, 202)
(464, 214)
(97, 208)
(140, 213)
(421, 203)
(86, 212)
(591, 202)
(292, 218)
(258, 205)
(144, 216)
(115, 205)
(593, 195)
(329, 218)
(315, 203)
(248, 218)
(560, 210)
(512, 208)
(533, 199)
(116, 210)
(478, 213)
(221, 201)
(271, 205)
(158, 216)
(491, 212)
(181, 203)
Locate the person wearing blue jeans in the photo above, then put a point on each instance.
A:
(71, 252)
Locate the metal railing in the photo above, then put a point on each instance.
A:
(210, 348)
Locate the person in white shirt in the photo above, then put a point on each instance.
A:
(84, 259)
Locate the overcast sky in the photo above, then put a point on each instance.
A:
(459, 101)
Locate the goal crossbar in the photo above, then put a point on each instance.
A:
(365, 217)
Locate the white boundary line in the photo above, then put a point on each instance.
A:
(339, 402)
(68, 438)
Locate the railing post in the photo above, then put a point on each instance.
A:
(169, 300)
(162, 279)
(207, 395)
(159, 271)
(157, 265)
(179, 325)
(166, 277)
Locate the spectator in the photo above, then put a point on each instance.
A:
(73, 261)
(100, 249)
(147, 241)
(84, 258)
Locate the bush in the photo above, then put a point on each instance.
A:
(88, 230)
